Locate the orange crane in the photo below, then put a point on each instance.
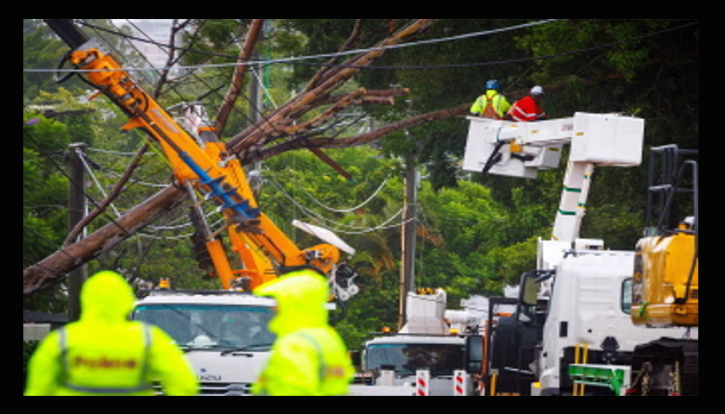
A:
(205, 166)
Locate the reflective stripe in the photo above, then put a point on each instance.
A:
(320, 355)
(519, 115)
(489, 109)
(144, 385)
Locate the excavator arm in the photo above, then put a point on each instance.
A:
(203, 164)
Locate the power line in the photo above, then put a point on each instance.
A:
(294, 60)
(300, 60)
(344, 53)
(359, 230)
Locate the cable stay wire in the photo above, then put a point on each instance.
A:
(89, 171)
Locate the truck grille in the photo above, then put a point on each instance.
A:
(224, 389)
(218, 389)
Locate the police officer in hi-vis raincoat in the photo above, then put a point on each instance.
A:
(106, 354)
(309, 358)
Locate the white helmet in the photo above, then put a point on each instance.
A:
(537, 90)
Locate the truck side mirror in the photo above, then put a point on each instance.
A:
(474, 354)
(356, 358)
(528, 293)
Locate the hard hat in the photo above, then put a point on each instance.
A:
(537, 90)
(492, 84)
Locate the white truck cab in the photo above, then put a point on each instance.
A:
(224, 334)
(425, 343)
(588, 318)
(405, 354)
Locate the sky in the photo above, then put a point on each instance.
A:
(157, 30)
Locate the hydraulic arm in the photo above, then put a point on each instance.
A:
(202, 164)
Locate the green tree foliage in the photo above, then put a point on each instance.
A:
(44, 194)
(649, 69)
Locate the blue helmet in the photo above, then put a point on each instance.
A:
(492, 84)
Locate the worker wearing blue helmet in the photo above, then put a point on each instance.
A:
(492, 104)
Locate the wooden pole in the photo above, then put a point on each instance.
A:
(76, 211)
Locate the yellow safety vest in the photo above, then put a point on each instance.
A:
(118, 364)
(491, 105)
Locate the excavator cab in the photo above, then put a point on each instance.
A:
(665, 282)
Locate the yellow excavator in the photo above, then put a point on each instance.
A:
(206, 167)
(665, 282)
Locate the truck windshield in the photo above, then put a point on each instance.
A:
(440, 359)
(216, 327)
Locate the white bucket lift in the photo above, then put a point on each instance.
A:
(426, 314)
(522, 149)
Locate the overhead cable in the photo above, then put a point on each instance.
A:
(300, 59)
(403, 67)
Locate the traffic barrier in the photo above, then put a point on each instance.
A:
(422, 381)
(459, 383)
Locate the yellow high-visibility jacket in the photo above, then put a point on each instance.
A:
(309, 358)
(499, 103)
(105, 354)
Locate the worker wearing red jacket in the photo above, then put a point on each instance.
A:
(529, 108)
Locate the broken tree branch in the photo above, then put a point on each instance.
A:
(256, 136)
(373, 97)
(343, 103)
(238, 79)
(323, 71)
(322, 142)
(164, 74)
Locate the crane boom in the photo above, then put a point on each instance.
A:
(202, 164)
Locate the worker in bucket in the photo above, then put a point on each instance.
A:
(529, 109)
(491, 104)
(106, 354)
(308, 358)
